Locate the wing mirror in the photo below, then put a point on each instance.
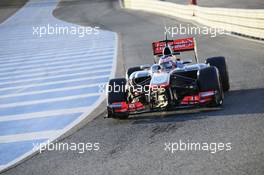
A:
(155, 68)
(145, 66)
(187, 62)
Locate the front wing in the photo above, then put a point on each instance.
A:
(198, 100)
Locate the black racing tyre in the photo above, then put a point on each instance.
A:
(209, 79)
(117, 93)
(131, 70)
(221, 65)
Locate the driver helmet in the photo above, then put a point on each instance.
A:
(167, 51)
(166, 61)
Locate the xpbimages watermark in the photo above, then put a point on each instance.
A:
(60, 146)
(106, 88)
(79, 31)
(194, 30)
(181, 146)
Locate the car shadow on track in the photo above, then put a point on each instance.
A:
(237, 103)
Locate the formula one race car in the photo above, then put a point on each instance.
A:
(170, 83)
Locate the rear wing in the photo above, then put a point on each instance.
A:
(178, 45)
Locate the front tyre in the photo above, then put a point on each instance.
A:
(221, 65)
(117, 94)
(209, 80)
(132, 70)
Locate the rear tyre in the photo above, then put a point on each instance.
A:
(117, 93)
(208, 80)
(132, 69)
(221, 65)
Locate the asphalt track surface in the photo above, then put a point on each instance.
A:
(136, 145)
(242, 4)
(9, 7)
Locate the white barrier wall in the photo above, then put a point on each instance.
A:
(167, 8)
(242, 21)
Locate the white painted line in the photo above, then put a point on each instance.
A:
(43, 78)
(55, 72)
(30, 136)
(34, 102)
(28, 56)
(34, 48)
(70, 126)
(50, 78)
(48, 66)
(42, 114)
(47, 70)
(51, 90)
(75, 48)
(52, 83)
(58, 59)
